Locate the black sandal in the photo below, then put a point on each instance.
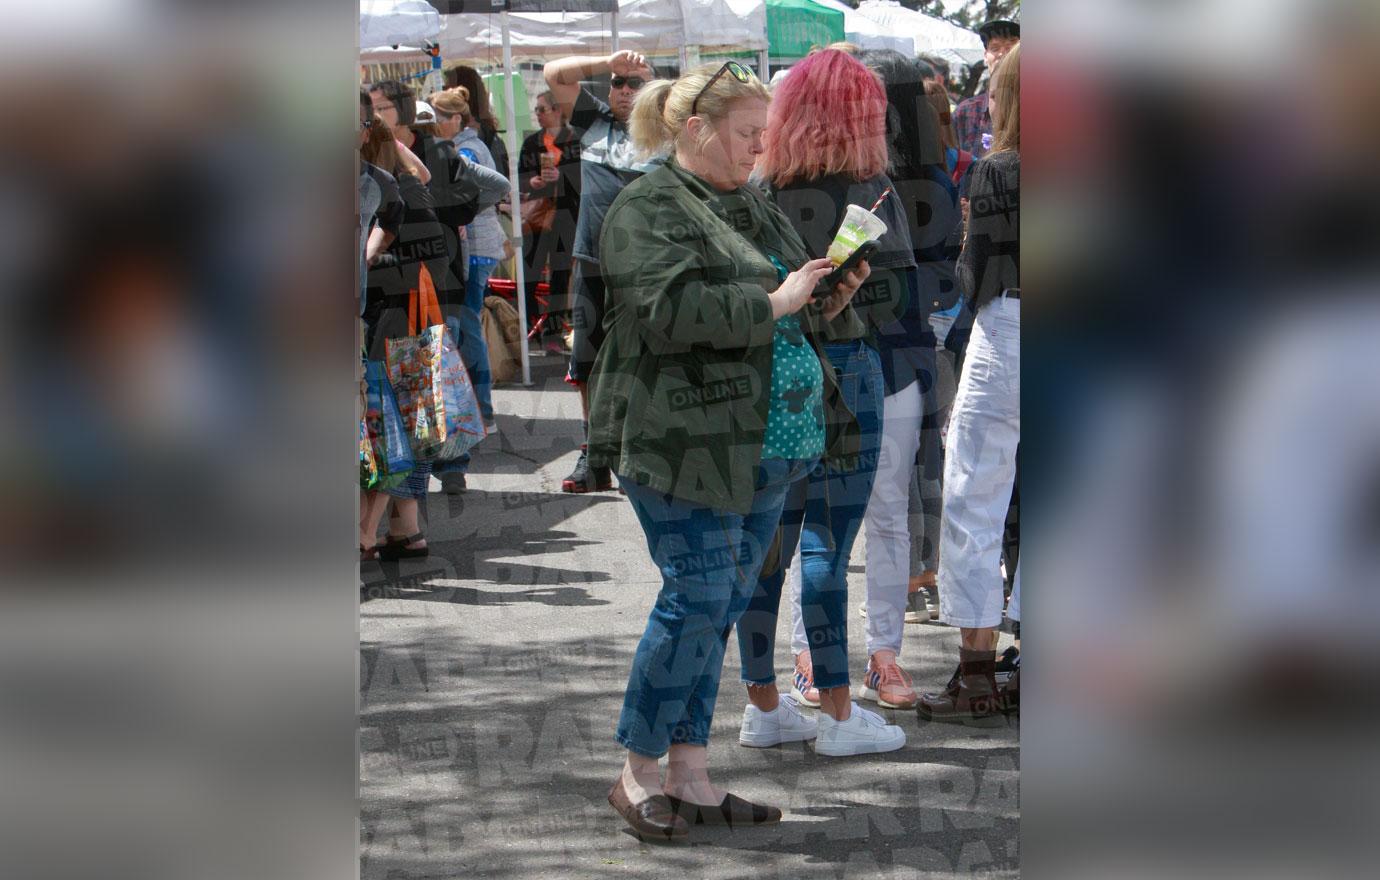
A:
(396, 548)
(368, 554)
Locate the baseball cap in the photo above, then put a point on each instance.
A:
(425, 113)
(999, 27)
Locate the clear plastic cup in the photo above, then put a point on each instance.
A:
(859, 225)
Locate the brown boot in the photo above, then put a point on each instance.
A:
(971, 697)
(1011, 693)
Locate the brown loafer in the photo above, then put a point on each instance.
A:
(651, 819)
(733, 811)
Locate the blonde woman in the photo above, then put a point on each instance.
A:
(708, 398)
(985, 426)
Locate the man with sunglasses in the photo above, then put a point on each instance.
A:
(607, 164)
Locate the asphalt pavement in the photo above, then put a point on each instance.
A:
(492, 673)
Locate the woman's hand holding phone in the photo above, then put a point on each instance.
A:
(798, 287)
(842, 294)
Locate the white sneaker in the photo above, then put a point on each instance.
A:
(781, 725)
(863, 733)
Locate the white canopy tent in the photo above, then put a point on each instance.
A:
(685, 28)
(926, 33)
(867, 33)
(658, 27)
(386, 23)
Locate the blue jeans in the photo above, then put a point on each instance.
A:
(709, 560)
(469, 338)
(823, 514)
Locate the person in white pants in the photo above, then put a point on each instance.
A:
(984, 433)
(985, 426)
(888, 544)
(907, 350)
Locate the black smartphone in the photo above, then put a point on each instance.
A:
(864, 252)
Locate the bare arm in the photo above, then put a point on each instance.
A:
(563, 75)
(379, 240)
(415, 165)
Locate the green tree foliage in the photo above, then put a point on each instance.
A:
(970, 14)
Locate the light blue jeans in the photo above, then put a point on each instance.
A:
(822, 515)
(709, 561)
(469, 338)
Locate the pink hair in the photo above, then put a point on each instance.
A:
(828, 116)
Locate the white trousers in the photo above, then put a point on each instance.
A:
(979, 471)
(795, 581)
(888, 520)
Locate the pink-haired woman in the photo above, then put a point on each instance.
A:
(825, 148)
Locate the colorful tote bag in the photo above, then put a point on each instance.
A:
(437, 400)
(385, 453)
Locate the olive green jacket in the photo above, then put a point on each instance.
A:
(680, 389)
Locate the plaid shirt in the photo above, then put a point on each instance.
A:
(971, 122)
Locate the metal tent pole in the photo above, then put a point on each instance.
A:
(520, 288)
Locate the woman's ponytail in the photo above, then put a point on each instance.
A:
(651, 133)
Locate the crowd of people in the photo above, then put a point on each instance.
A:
(756, 406)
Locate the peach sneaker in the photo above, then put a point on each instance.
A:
(886, 683)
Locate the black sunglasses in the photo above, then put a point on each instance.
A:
(632, 82)
(739, 73)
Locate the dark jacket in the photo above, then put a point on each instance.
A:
(460, 189)
(991, 258)
(680, 391)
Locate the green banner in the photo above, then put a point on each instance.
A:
(794, 27)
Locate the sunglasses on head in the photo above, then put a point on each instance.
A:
(632, 82)
(731, 67)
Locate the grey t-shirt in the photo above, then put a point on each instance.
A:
(608, 163)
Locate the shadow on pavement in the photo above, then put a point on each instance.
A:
(494, 760)
(482, 541)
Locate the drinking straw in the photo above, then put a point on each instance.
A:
(881, 198)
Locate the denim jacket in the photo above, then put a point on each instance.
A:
(680, 390)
